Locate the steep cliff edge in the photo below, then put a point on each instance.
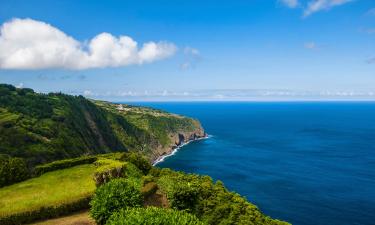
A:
(177, 139)
(48, 127)
(167, 131)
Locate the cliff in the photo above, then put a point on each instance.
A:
(176, 140)
(47, 127)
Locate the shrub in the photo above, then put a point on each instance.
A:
(138, 160)
(132, 171)
(155, 172)
(113, 155)
(211, 203)
(12, 170)
(152, 216)
(45, 212)
(108, 169)
(182, 191)
(114, 195)
(149, 189)
(63, 164)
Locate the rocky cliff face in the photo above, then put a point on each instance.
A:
(177, 139)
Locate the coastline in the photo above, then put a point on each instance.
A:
(176, 148)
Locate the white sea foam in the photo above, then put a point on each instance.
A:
(161, 158)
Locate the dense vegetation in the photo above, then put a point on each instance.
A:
(50, 195)
(210, 202)
(120, 188)
(117, 194)
(152, 216)
(125, 198)
(62, 164)
(45, 127)
(12, 170)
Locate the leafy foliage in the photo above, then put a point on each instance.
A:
(12, 170)
(108, 169)
(152, 216)
(138, 160)
(47, 127)
(149, 189)
(62, 191)
(62, 164)
(45, 212)
(115, 195)
(211, 202)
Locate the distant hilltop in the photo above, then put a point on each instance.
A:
(45, 127)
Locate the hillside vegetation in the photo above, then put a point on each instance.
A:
(133, 192)
(46, 127)
(49, 190)
(104, 153)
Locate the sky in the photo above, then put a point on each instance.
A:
(191, 50)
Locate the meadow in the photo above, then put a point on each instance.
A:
(53, 188)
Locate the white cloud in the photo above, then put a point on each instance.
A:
(191, 58)
(318, 5)
(20, 85)
(88, 93)
(290, 3)
(31, 44)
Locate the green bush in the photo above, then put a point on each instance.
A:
(152, 216)
(12, 170)
(45, 212)
(113, 196)
(182, 191)
(108, 169)
(138, 160)
(62, 164)
(149, 189)
(211, 203)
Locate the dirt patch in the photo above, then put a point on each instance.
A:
(80, 218)
(158, 199)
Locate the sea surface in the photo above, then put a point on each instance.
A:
(308, 163)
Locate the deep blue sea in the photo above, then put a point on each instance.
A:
(308, 163)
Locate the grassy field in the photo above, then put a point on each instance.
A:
(53, 188)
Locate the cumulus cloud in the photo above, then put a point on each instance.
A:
(31, 44)
(290, 3)
(318, 5)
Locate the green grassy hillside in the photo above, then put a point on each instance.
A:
(51, 189)
(130, 179)
(47, 127)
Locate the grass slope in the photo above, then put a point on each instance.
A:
(209, 201)
(47, 127)
(50, 189)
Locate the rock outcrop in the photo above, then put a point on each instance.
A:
(178, 139)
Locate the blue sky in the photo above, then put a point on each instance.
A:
(200, 50)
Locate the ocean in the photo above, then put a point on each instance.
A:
(308, 163)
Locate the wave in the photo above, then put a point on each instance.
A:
(161, 158)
